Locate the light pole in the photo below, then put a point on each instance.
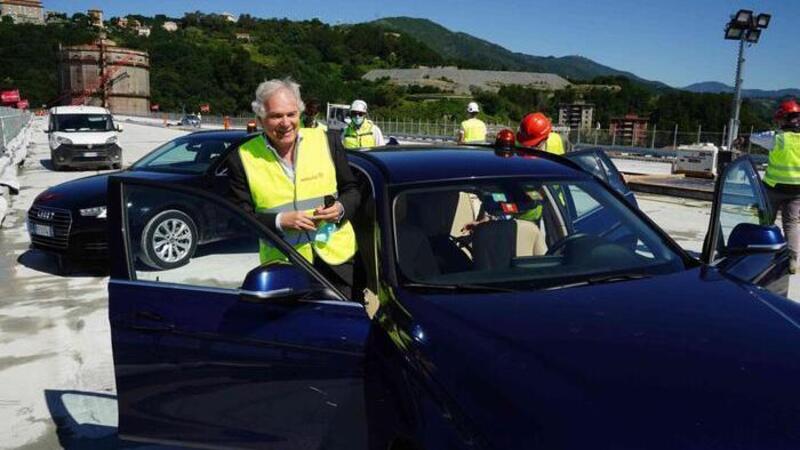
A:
(744, 26)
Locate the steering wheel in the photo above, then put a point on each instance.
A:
(558, 247)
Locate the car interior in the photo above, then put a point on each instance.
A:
(510, 232)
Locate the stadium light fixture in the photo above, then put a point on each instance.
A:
(744, 26)
(762, 21)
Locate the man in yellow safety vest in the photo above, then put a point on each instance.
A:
(782, 178)
(310, 115)
(473, 130)
(361, 133)
(297, 182)
(536, 131)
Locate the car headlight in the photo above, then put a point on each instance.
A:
(112, 140)
(63, 140)
(97, 211)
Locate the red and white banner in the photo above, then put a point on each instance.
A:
(9, 97)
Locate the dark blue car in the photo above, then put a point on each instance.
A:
(69, 219)
(523, 304)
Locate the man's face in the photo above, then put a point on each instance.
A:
(282, 118)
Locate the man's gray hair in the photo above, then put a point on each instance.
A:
(268, 88)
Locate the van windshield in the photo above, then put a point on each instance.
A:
(83, 122)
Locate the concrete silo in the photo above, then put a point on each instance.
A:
(104, 74)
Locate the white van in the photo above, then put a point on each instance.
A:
(83, 136)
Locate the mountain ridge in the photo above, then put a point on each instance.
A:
(467, 48)
(714, 87)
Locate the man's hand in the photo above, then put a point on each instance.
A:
(330, 214)
(470, 227)
(296, 220)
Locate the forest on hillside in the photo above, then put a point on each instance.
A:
(212, 60)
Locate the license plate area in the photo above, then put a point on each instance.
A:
(90, 154)
(41, 230)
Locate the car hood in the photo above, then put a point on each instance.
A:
(86, 137)
(687, 360)
(91, 191)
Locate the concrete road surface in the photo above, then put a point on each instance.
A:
(56, 373)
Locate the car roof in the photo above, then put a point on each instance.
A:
(80, 109)
(217, 134)
(414, 164)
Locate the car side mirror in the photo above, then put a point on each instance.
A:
(274, 282)
(748, 238)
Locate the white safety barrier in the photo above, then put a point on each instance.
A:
(16, 139)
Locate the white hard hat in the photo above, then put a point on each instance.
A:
(472, 107)
(359, 106)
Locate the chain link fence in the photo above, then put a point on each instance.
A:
(447, 130)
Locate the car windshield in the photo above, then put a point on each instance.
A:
(83, 122)
(523, 234)
(187, 154)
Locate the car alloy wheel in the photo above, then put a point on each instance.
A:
(169, 240)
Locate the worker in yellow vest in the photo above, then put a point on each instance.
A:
(473, 130)
(361, 133)
(310, 114)
(782, 178)
(536, 131)
(297, 183)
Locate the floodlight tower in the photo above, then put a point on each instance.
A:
(744, 26)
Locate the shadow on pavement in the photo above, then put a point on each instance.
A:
(88, 421)
(57, 265)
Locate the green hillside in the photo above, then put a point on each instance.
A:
(486, 55)
(211, 60)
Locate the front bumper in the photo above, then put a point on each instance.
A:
(87, 155)
(58, 231)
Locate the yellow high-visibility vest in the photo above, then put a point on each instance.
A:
(360, 138)
(474, 130)
(554, 144)
(317, 124)
(273, 191)
(784, 160)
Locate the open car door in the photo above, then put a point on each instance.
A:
(742, 240)
(224, 352)
(595, 161)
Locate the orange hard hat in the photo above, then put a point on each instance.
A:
(533, 129)
(786, 108)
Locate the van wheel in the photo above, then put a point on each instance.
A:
(169, 240)
(56, 165)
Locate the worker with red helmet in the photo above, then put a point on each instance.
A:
(536, 131)
(783, 171)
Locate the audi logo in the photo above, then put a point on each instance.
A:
(45, 215)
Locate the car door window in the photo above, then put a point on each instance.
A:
(181, 239)
(740, 199)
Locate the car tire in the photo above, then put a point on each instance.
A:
(56, 165)
(116, 166)
(169, 240)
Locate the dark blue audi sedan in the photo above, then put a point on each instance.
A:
(516, 301)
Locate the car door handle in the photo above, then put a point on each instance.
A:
(148, 320)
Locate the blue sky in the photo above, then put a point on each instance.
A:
(678, 42)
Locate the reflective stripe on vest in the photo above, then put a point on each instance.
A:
(784, 160)
(474, 130)
(361, 138)
(272, 191)
(554, 144)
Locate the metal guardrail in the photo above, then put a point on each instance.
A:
(12, 121)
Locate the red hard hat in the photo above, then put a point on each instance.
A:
(787, 107)
(534, 128)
